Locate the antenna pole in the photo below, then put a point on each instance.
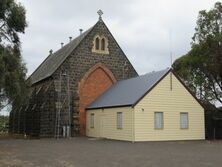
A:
(171, 52)
(171, 60)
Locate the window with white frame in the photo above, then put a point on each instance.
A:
(158, 120)
(92, 120)
(184, 120)
(119, 120)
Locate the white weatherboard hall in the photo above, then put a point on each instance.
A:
(152, 107)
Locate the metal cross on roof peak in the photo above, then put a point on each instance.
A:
(100, 13)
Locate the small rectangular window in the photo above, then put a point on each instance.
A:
(158, 122)
(92, 120)
(184, 120)
(119, 120)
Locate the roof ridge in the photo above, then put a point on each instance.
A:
(152, 72)
(74, 41)
(76, 38)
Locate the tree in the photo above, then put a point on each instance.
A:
(12, 68)
(201, 67)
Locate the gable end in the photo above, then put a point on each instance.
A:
(188, 89)
(178, 78)
(151, 88)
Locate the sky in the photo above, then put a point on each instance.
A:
(146, 30)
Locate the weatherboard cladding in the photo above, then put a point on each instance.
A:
(128, 92)
(53, 61)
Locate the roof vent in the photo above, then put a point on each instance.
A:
(51, 51)
(70, 39)
(80, 30)
(62, 44)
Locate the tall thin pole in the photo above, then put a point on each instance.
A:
(69, 109)
(59, 106)
(171, 60)
(171, 52)
(56, 113)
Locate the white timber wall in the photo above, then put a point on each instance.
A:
(171, 102)
(93, 132)
(105, 124)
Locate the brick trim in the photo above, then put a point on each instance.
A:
(94, 82)
(92, 69)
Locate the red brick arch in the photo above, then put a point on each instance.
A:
(98, 79)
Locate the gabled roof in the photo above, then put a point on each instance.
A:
(53, 61)
(128, 92)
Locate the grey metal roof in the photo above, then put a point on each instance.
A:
(128, 92)
(53, 61)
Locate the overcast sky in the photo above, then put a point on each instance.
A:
(141, 27)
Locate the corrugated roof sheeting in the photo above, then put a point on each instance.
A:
(127, 92)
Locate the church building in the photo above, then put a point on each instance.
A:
(67, 81)
(90, 88)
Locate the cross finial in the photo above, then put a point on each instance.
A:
(100, 13)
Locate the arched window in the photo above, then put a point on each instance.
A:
(103, 44)
(97, 43)
(100, 44)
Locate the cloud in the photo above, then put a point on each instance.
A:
(141, 27)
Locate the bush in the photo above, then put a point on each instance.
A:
(4, 123)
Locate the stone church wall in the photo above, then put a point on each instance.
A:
(82, 59)
(38, 117)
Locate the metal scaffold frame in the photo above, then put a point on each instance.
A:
(63, 100)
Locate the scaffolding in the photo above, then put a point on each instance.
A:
(62, 122)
